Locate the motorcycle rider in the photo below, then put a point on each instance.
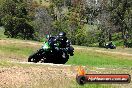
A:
(110, 44)
(62, 41)
(55, 50)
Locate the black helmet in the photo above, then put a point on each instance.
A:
(62, 34)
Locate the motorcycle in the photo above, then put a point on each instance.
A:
(111, 46)
(49, 53)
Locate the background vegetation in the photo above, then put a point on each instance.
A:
(86, 22)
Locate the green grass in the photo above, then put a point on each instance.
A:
(17, 50)
(118, 43)
(81, 57)
(99, 59)
(8, 64)
(5, 63)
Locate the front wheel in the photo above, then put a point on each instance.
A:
(34, 57)
(106, 46)
(64, 60)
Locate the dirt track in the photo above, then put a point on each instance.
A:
(50, 75)
(18, 76)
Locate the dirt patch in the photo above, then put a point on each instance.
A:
(50, 76)
(31, 76)
(13, 77)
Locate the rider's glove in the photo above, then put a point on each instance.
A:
(57, 48)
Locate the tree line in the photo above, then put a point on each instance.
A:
(86, 22)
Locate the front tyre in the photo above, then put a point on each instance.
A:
(64, 60)
(33, 58)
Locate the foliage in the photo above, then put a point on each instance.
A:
(15, 19)
(121, 16)
(108, 20)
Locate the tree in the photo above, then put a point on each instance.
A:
(15, 19)
(42, 22)
(121, 16)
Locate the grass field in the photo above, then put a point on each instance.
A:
(100, 59)
(83, 56)
(14, 74)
